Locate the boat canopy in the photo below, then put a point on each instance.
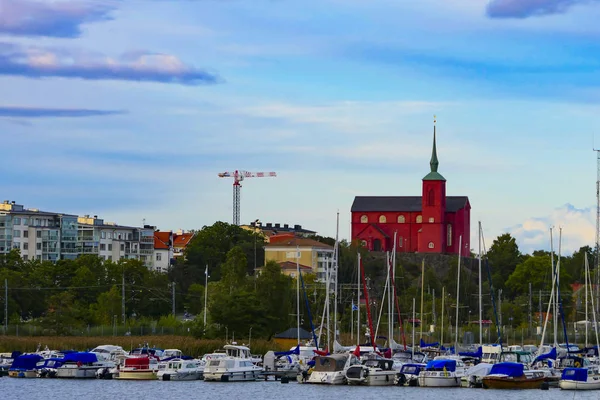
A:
(83, 357)
(439, 365)
(424, 345)
(476, 354)
(138, 362)
(510, 369)
(549, 355)
(26, 361)
(296, 350)
(414, 369)
(574, 374)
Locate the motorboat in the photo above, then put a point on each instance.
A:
(442, 372)
(81, 365)
(47, 367)
(409, 374)
(138, 368)
(331, 369)
(474, 375)
(510, 375)
(109, 352)
(579, 379)
(372, 372)
(237, 365)
(24, 366)
(181, 370)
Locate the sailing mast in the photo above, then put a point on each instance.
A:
(442, 316)
(422, 289)
(553, 294)
(298, 291)
(480, 296)
(336, 255)
(593, 307)
(586, 299)
(457, 295)
(358, 300)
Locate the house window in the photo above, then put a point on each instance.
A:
(17, 221)
(430, 197)
(419, 219)
(431, 220)
(401, 219)
(382, 219)
(400, 241)
(449, 239)
(158, 256)
(102, 246)
(25, 234)
(25, 221)
(38, 234)
(103, 235)
(25, 257)
(16, 234)
(122, 247)
(431, 246)
(110, 247)
(25, 246)
(364, 219)
(38, 246)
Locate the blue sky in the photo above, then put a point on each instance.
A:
(129, 108)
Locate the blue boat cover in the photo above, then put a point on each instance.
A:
(511, 369)
(439, 365)
(288, 353)
(411, 369)
(423, 344)
(575, 374)
(551, 355)
(83, 357)
(26, 361)
(476, 354)
(15, 354)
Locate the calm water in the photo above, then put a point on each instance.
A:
(44, 389)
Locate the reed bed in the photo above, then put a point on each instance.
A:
(189, 345)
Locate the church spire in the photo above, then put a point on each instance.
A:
(434, 175)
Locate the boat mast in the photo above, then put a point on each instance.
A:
(442, 316)
(358, 298)
(413, 330)
(553, 294)
(393, 283)
(593, 307)
(422, 289)
(336, 254)
(457, 295)
(480, 296)
(298, 292)
(586, 299)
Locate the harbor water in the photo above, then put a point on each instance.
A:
(44, 389)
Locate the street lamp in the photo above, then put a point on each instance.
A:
(249, 336)
(256, 224)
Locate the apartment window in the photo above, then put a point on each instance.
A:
(109, 258)
(36, 222)
(129, 236)
(431, 220)
(25, 234)
(38, 246)
(119, 236)
(25, 257)
(110, 235)
(38, 234)
(25, 246)
(102, 246)
(158, 256)
(16, 245)
(25, 221)
(17, 234)
(103, 235)
(110, 247)
(122, 247)
(17, 221)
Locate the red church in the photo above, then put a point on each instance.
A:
(430, 223)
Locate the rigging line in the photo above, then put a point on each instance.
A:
(60, 288)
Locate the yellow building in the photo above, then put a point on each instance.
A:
(284, 249)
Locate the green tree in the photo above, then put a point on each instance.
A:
(274, 291)
(503, 256)
(195, 299)
(108, 305)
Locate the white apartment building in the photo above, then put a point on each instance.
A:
(51, 236)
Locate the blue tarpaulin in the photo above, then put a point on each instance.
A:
(476, 354)
(26, 362)
(439, 365)
(551, 355)
(82, 357)
(296, 350)
(575, 374)
(424, 345)
(511, 369)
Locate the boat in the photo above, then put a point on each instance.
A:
(181, 370)
(137, 368)
(236, 366)
(81, 365)
(475, 374)
(24, 366)
(442, 372)
(330, 370)
(510, 375)
(372, 372)
(409, 374)
(47, 367)
(579, 379)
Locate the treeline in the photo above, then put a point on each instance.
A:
(88, 290)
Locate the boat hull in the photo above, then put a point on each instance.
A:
(77, 373)
(576, 385)
(179, 376)
(232, 376)
(22, 374)
(148, 375)
(439, 380)
(492, 382)
(327, 378)
(380, 378)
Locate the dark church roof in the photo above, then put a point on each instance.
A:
(402, 203)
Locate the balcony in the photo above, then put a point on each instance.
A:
(147, 251)
(88, 250)
(69, 251)
(147, 239)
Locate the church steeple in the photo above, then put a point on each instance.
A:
(433, 175)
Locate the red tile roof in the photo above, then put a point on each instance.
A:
(161, 240)
(182, 240)
(287, 265)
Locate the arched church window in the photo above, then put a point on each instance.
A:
(431, 246)
(382, 219)
(363, 243)
(419, 219)
(430, 197)
(401, 219)
(364, 219)
(400, 240)
(449, 238)
(431, 220)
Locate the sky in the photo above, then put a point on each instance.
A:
(128, 109)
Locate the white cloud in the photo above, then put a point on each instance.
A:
(578, 229)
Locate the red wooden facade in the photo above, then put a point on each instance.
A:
(430, 223)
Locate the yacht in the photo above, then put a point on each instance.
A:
(444, 371)
(237, 365)
(579, 379)
(372, 372)
(80, 365)
(138, 368)
(181, 370)
(331, 370)
(24, 366)
(409, 374)
(511, 375)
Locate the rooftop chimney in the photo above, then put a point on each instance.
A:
(277, 225)
(286, 226)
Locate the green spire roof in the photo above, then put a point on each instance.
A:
(434, 163)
